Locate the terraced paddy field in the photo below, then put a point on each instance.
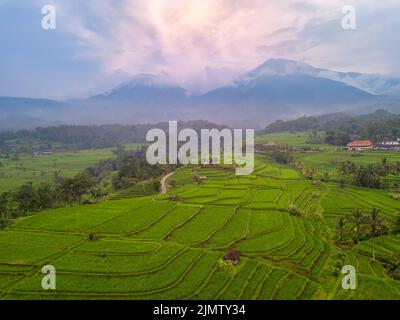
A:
(154, 248)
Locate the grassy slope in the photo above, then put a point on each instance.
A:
(154, 248)
(41, 169)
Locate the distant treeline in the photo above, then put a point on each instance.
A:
(340, 128)
(85, 137)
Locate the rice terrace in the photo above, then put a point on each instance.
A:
(153, 247)
(216, 155)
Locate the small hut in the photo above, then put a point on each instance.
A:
(232, 255)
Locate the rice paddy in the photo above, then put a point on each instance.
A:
(155, 248)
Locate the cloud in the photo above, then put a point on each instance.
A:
(187, 38)
(206, 43)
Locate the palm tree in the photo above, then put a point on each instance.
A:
(358, 219)
(398, 223)
(393, 266)
(377, 226)
(340, 228)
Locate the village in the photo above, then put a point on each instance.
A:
(366, 145)
(353, 146)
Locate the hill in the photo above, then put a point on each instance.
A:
(378, 125)
(277, 89)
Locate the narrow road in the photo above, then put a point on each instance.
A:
(164, 184)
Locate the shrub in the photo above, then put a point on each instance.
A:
(93, 236)
(294, 211)
(4, 223)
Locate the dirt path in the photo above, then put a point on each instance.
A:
(164, 184)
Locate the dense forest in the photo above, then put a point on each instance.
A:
(84, 137)
(340, 127)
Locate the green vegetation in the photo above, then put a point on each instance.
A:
(284, 227)
(39, 169)
(283, 232)
(339, 127)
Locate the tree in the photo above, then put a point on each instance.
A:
(8, 208)
(74, 188)
(393, 266)
(120, 153)
(46, 196)
(377, 226)
(283, 156)
(294, 211)
(337, 138)
(156, 185)
(26, 197)
(385, 166)
(358, 219)
(397, 228)
(340, 228)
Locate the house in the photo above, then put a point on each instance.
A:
(388, 145)
(42, 153)
(232, 255)
(270, 144)
(360, 145)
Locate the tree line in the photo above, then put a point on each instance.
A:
(370, 175)
(32, 198)
(84, 136)
(124, 170)
(340, 127)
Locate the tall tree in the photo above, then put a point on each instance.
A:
(377, 226)
(340, 228)
(358, 219)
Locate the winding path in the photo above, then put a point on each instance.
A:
(164, 184)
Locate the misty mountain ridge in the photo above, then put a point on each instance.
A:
(277, 89)
(372, 83)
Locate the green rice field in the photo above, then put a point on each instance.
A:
(154, 248)
(37, 169)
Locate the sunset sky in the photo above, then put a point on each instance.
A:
(202, 43)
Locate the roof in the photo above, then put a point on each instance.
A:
(390, 143)
(360, 143)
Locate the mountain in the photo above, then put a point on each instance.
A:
(144, 89)
(14, 105)
(277, 86)
(17, 113)
(145, 98)
(285, 89)
(376, 84)
(277, 89)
